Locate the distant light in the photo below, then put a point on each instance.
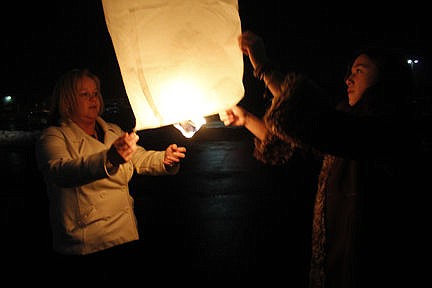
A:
(412, 62)
(7, 99)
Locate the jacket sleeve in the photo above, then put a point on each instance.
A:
(150, 162)
(56, 159)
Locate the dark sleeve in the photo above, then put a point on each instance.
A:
(304, 117)
(287, 119)
(273, 150)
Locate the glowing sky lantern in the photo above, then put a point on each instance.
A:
(179, 59)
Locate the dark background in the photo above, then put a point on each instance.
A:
(42, 39)
(225, 216)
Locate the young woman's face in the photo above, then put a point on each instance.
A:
(364, 74)
(89, 106)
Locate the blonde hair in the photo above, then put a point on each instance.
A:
(65, 94)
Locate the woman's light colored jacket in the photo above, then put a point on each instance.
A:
(90, 210)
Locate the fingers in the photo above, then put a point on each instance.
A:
(128, 140)
(246, 41)
(177, 152)
(125, 145)
(173, 155)
(229, 117)
(244, 44)
(252, 45)
(131, 138)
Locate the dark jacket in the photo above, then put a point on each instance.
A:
(369, 155)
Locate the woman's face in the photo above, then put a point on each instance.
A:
(364, 74)
(88, 107)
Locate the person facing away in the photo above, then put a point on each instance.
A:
(367, 150)
(87, 164)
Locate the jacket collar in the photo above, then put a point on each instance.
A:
(75, 132)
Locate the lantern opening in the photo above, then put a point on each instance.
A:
(190, 127)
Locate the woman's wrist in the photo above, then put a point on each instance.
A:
(110, 167)
(245, 118)
(261, 70)
(248, 119)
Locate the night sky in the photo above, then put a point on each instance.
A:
(40, 40)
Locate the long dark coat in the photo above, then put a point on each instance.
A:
(364, 201)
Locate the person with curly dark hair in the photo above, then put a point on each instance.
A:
(367, 148)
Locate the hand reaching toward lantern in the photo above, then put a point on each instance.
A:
(239, 116)
(253, 46)
(123, 148)
(235, 116)
(173, 155)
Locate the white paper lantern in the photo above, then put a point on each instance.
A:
(179, 59)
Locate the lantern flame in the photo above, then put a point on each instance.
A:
(188, 96)
(190, 127)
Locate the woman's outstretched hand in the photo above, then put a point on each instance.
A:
(253, 46)
(236, 116)
(123, 148)
(173, 155)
